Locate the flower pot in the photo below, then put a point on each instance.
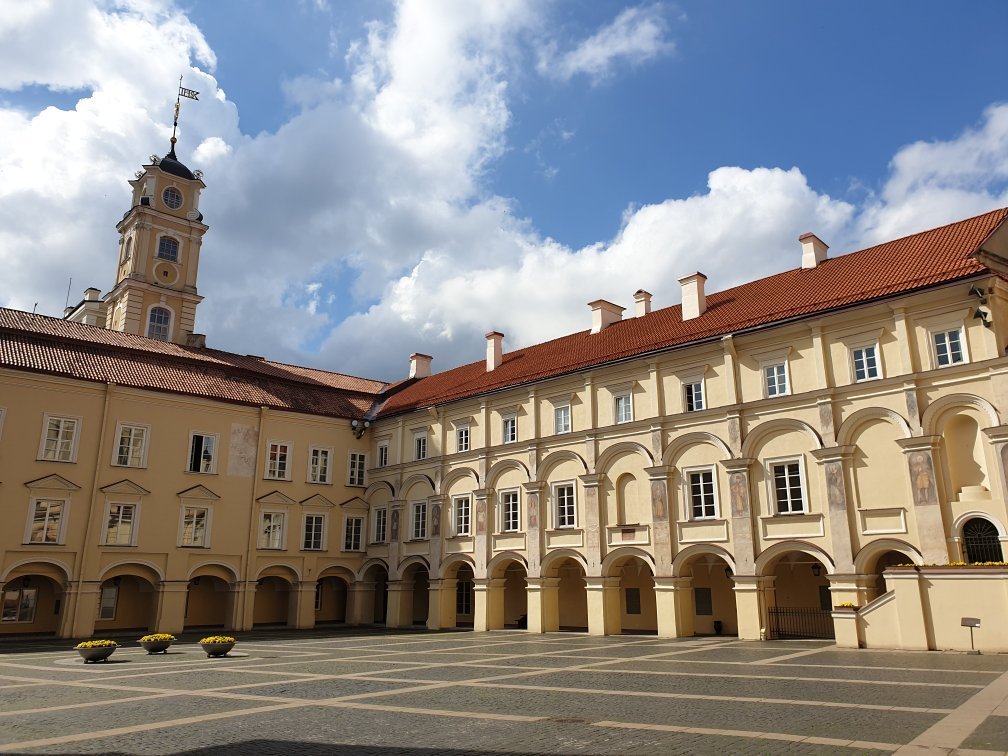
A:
(100, 653)
(217, 649)
(156, 647)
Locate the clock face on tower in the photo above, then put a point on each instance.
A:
(165, 274)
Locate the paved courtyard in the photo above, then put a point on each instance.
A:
(367, 692)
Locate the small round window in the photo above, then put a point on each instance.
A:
(172, 197)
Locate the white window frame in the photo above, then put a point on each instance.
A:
(419, 446)
(114, 590)
(418, 525)
(555, 498)
(320, 474)
(562, 412)
(382, 454)
(134, 523)
(348, 523)
(213, 454)
(207, 520)
(262, 542)
(503, 518)
(20, 589)
(171, 321)
(773, 364)
(689, 391)
(178, 249)
(357, 468)
(463, 438)
(61, 528)
(934, 333)
(74, 441)
(323, 536)
(462, 525)
(509, 428)
(687, 488)
(268, 473)
(133, 427)
(382, 529)
(624, 398)
(863, 347)
(769, 466)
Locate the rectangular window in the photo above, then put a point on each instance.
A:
(420, 446)
(318, 596)
(271, 530)
(380, 524)
(633, 601)
(318, 464)
(462, 438)
(107, 602)
(354, 533)
(701, 491)
(314, 532)
(509, 430)
(693, 398)
(202, 453)
(47, 519)
(949, 347)
(464, 591)
(562, 419)
(509, 511)
(194, 526)
(865, 363)
(704, 604)
(277, 459)
(788, 487)
(462, 515)
(59, 439)
(566, 509)
(131, 449)
(383, 455)
(19, 604)
(776, 379)
(357, 465)
(623, 406)
(119, 528)
(420, 520)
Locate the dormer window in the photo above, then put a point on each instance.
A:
(172, 198)
(168, 249)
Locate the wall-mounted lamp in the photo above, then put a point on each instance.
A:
(26, 581)
(983, 312)
(817, 570)
(359, 427)
(728, 572)
(116, 581)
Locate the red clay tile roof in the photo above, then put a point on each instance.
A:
(914, 262)
(49, 345)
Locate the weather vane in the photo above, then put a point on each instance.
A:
(192, 94)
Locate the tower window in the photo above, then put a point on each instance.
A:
(158, 326)
(168, 249)
(172, 197)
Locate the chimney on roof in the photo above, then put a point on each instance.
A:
(419, 365)
(642, 300)
(813, 250)
(91, 294)
(494, 350)
(694, 302)
(604, 314)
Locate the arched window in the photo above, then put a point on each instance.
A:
(168, 248)
(127, 251)
(981, 541)
(159, 323)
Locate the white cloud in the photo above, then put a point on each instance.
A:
(637, 35)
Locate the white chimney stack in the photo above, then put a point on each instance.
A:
(92, 294)
(694, 303)
(642, 300)
(813, 250)
(604, 314)
(419, 365)
(494, 351)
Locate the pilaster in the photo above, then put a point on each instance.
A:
(931, 528)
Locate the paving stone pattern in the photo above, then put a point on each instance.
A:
(386, 693)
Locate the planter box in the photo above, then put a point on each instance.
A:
(217, 649)
(101, 653)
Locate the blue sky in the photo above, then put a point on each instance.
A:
(389, 177)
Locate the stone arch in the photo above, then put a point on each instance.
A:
(221, 570)
(678, 445)
(939, 407)
(685, 557)
(557, 557)
(281, 570)
(454, 561)
(617, 557)
(958, 522)
(864, 561)
(757, 435)
(369, 565)
(502, 559)
(455, 475)
(380, 485)
(413, 480)
(135, 567)
(499, 468)
(412, 561)
(766, 560)
(607, 457)
(554, 459)
(12, 571)
(849, 428)
(340, 571)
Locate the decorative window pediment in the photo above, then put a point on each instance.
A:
(53, 483)
(125, 487)
(318, 500)
(198, 492)
(355, 503)
(276, 498)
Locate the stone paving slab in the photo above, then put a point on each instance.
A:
(957, 662)
(991, 735)
(42, 696)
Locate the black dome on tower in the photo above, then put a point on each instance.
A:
(170, 164)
